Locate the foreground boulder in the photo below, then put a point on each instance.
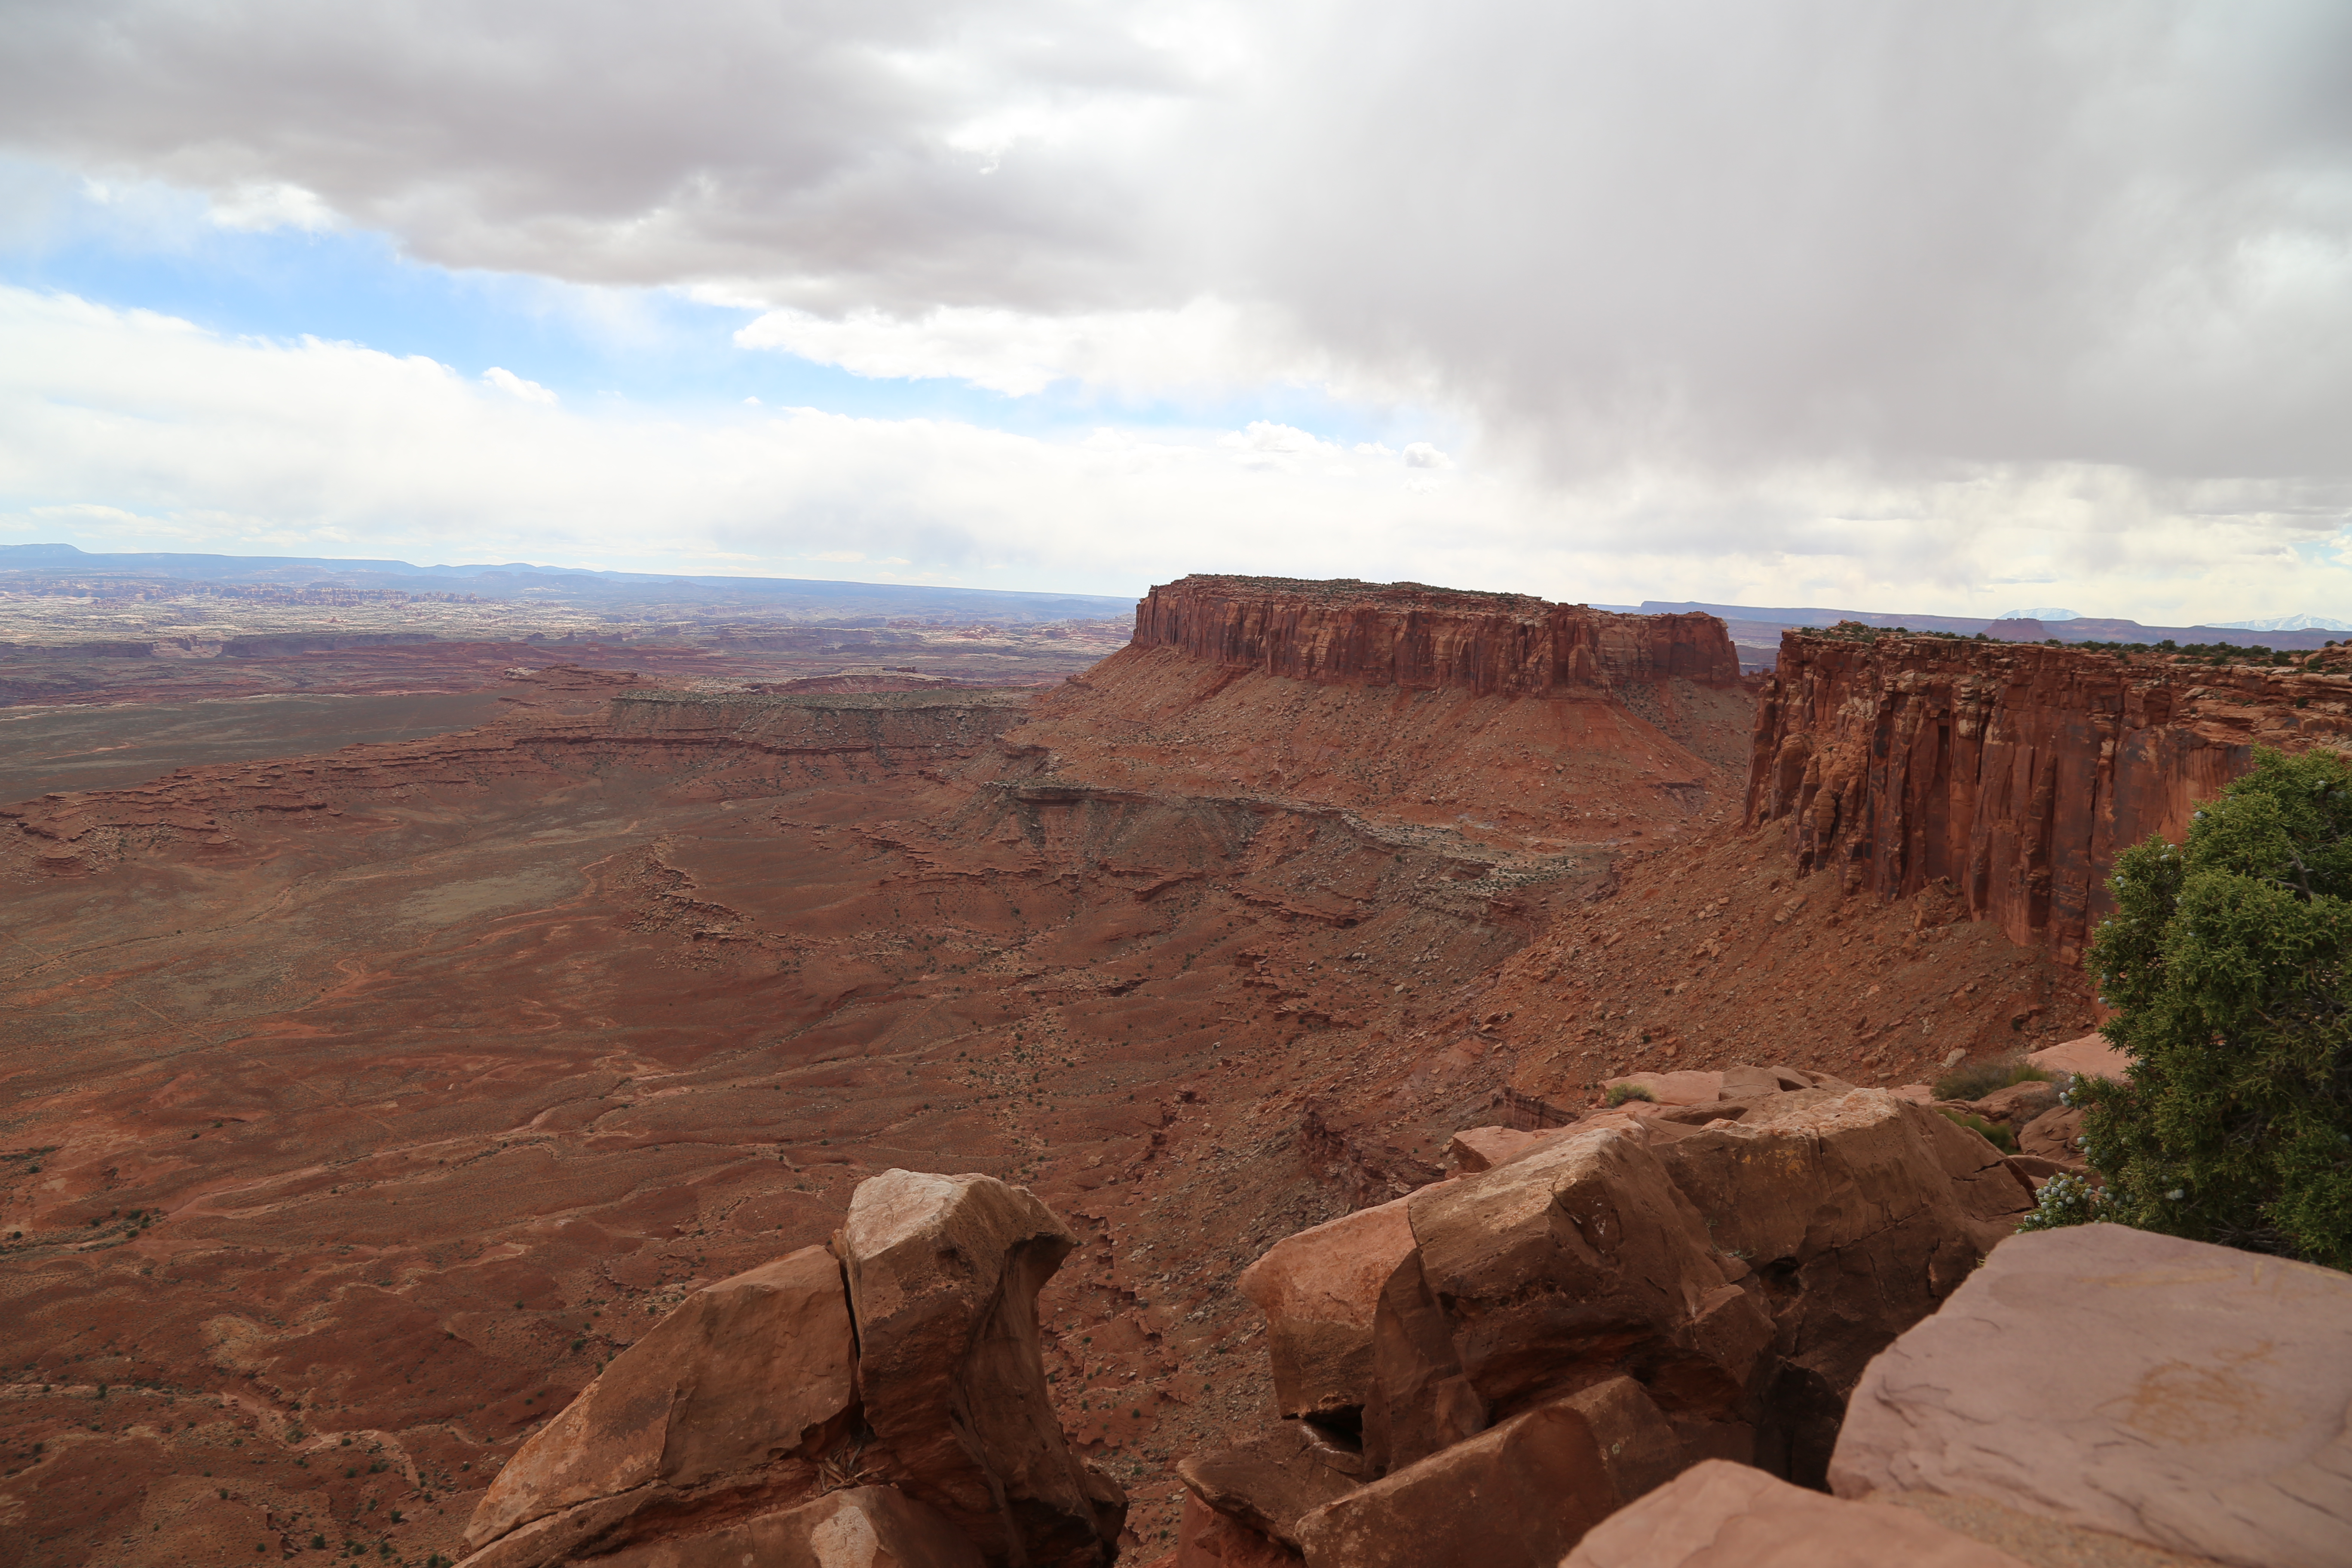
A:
(888, 1413)
(1724, 1269)
(943, 1274)
(2189, 1396)
(731, 1401)
(1319, 1290)
(1552, 1270)
(858, 1527)
(1516, 1496)
(1719, 1515)
(1271, 1482)
(1858, 1214)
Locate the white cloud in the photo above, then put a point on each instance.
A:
(1853, 295)
(125, 429)
(1207, 344)
(515, 386)
(259, 205)
(1699, 231)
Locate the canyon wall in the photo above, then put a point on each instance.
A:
(2015, 772)
(1407, 635)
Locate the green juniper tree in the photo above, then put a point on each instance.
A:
(2226, 963)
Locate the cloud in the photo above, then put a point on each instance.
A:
(516, 387)
(2107, 232)
(271, 205)
(1207, 345)
(130, 429)
(1837, 277)
(902, 154)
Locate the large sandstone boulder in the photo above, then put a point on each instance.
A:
(1208, 1539)
(2055, 1135)
(2017, 1105)
(1516, 1496)
(735, 1397)
(1558, 1269)
(1694, 1087)
(1319, 1291)
(1858, 1213)
(1724, 1269)
(1270, 1482)
(1719, 1515)
(2090, 1056)
(1819, 1222)
(943, 1275)
(877, 1404)
(858, 1527)
(2189, 1396)
(1475, 1149)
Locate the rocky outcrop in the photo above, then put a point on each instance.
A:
(1718, 1515)
(1511, 1355)
(1320, 1290)
(943, 1275)
(880, 1401)
(1524, 1491)
(2014, 773)
(1273, 1482)
(1408, 634)
(735, 1400)
(2189, 1396)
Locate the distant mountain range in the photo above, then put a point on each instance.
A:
(1755, 625)
(2293, 624)
(2275, 623)
(812, 597)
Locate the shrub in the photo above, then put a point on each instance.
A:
(1974, 1081)
(2066, 1199)
(2225, 962)
(1992, 1133)
(1619, 1094)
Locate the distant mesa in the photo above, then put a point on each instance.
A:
(1756, 628)
(1411, 634)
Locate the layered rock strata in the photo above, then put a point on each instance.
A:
(1408, 635)
(2012, 774)
(1508, 1356)
(887, 1391)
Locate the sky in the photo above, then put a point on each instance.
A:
(1952, 309)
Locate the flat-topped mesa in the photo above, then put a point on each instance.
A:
(1343, 631)
(2017, 772)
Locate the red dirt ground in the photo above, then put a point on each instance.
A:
(357, 1108)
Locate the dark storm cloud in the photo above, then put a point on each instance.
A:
(1732, 235)
(1998, 232)
(804, 143)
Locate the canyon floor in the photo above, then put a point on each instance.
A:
(359, 1105)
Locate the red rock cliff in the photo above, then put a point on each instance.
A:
(1405, 633)
(2016, 771)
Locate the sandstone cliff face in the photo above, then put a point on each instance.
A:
(1403, 634)
(2014, 772)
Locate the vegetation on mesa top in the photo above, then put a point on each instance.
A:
(2226, 963)
(2213, 653)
